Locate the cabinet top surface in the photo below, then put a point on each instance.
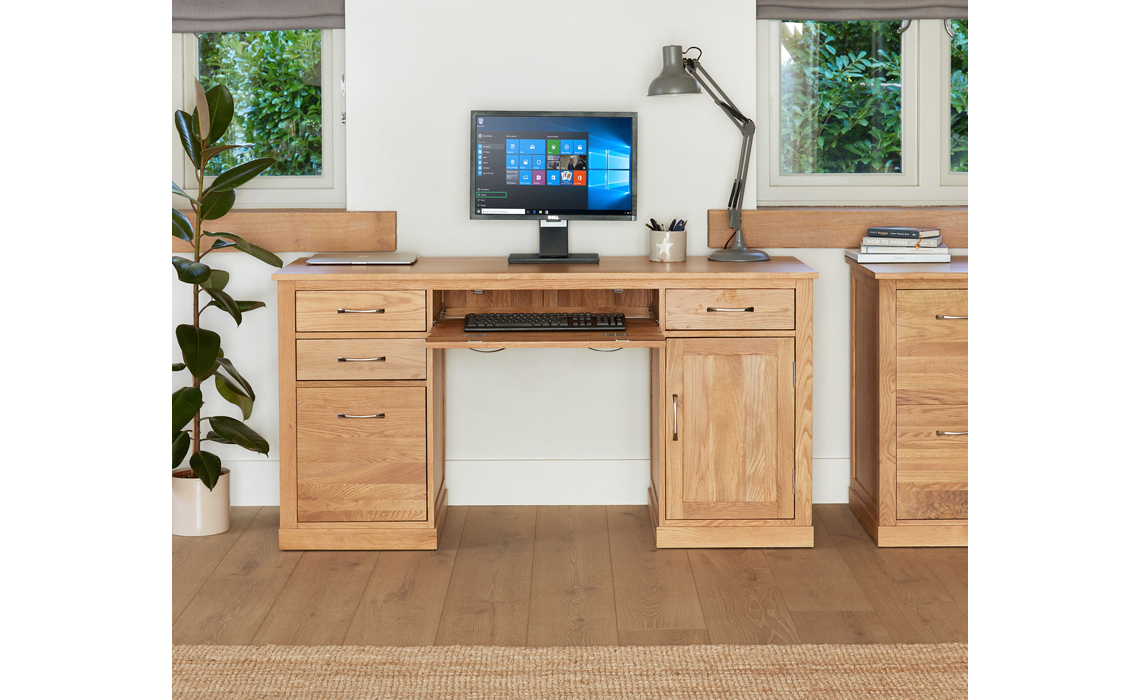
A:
(957, 268)
(497, 268)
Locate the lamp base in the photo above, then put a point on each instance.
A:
(739, 256)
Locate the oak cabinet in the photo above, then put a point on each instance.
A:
(909, 410)
(731, 428)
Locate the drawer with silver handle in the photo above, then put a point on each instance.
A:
(361, 358)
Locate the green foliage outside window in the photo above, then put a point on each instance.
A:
(959, 92)
(275, 78)
(840, 97)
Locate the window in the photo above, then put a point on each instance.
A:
(287, 104)
(859, 114)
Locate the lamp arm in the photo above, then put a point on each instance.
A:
(747, 129)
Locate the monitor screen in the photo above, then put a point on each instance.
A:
(573, 165)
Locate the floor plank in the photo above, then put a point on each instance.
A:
(662, 638)
(653, 588)
(572, 587)
(233, 602)
(193, 559)
(320, 599)
(841, 627)
(951, 566)
(489, 597)
(816, 579)
(403, 601)
(910, 601)
(740, 599)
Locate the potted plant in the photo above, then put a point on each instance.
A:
(201, 493)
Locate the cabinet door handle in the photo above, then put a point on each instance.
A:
(346, 415)
(360, 311)
(947, 432)
(749, 309)
(362, 359)
(940, 317)
(674, 418)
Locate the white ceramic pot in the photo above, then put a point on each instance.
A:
(198, 510)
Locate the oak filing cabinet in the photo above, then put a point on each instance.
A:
(909, 402)
(362, 390)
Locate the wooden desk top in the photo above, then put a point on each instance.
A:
(956, 269)
(610, 271)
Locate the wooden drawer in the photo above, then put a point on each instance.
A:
(387, 358)
(932, 352)
(361, 311)
(741, 309)
(932, 471)
(361, 469)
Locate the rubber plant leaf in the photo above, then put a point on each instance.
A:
(200, 348)
(180, 447)
(215, 205)
(220, 103)
(240, 174)
(207, 467)
(218, 279)
(189, 271)
(186, 402)
(190, 143)
(202, 107)
(246, 247)
(239, 433)
(182, 227)
(232, 371)
(233, 393)
(225, 302)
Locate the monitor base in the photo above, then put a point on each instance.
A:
(739, 256)
(531, 258)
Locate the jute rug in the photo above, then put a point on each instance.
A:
(802, 672)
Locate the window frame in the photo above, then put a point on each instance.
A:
(327, 190)
(925, 180)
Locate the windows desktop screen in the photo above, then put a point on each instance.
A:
(553, 165)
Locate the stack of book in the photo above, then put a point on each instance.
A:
(901, 244)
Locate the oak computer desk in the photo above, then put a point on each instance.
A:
(362, 388)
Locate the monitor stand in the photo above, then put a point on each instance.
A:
(553, 244)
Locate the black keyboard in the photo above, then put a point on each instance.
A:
(544, 322)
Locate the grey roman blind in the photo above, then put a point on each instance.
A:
(847, 10)
(256, 15)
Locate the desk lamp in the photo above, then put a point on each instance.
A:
(686, 76)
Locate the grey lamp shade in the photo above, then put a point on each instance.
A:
(674, 79)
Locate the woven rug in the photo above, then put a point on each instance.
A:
(802, 672)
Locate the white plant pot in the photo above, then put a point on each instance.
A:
(198, 510)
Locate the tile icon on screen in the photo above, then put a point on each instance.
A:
(531, 146)
(552, 177)
(538, 177)
(552, 146)
(524, 177)
(512, 177)
(567, 146)
(580, 146)
(512, 162)
(512, 146)
(524, 162)
(579, 177)
(567, 177)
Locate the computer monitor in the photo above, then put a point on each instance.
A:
(554, 167)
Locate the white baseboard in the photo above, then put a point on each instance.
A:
(548, 482)
(255, 482)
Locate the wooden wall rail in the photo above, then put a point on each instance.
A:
(833, 227)
(306, 230)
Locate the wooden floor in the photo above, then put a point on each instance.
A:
(564, 575)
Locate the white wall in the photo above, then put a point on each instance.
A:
(536, 426)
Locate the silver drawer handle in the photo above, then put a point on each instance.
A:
(360, 311)
(346, 415)
(362, 359)
(486, 351)
(748, 309)
(674, 418)
(605, 350)
(940, 317)
(947, 432)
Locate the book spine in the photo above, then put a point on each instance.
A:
(902, 242)
(901, 258)
(882, 233)
(909, 250)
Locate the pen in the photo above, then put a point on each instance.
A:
(672, 225)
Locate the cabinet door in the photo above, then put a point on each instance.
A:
(730, 416)
(361, 454)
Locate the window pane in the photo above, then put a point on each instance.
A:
(840, 97)
(275, 78)
(959, 92)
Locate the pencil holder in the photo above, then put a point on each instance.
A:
(667, 246)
